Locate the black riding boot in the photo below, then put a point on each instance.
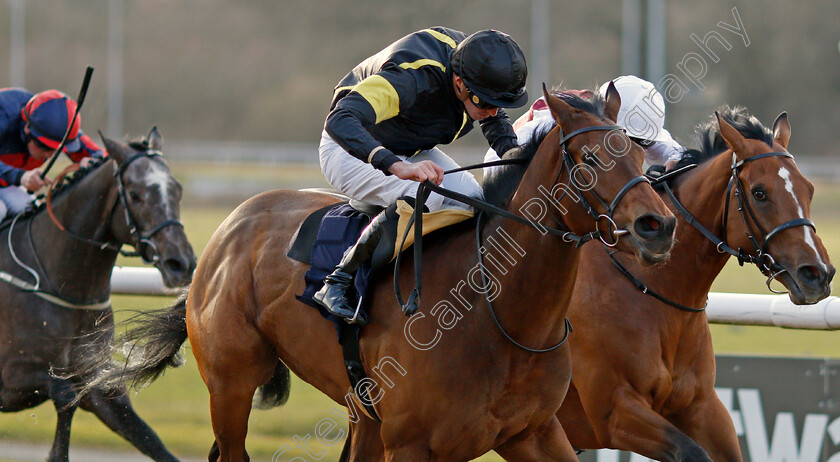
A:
(333, 296)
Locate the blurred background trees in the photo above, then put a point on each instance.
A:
(264, 70)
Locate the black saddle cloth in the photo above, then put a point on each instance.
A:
(339, 227)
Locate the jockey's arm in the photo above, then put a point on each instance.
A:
(89, 150)
(499, 132)
(10, 176)
(376, 99)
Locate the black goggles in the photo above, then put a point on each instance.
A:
(39, 143)
(642, 142)
(479, 103)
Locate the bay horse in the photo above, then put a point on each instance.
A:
(56, 268)
(643, 363)
(445, 387)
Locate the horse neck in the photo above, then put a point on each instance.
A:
(545, 267)
(703, 193)
(81, 270)
(541, 186)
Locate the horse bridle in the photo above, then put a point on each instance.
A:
(569, 165)
(142, 243)
(762, 259)
(412, 304)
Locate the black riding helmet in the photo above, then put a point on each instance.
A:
(493, 67)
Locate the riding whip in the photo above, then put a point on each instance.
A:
(79, 101)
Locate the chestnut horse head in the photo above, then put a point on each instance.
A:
(595, 176)
(768, 204)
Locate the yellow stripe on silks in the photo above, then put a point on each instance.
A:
(442, 37)
(423, 62)
(460, 129)
(431, 222)
(381, 96)
(373, 153)
(340, 89)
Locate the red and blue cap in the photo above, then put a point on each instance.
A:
(48, 115)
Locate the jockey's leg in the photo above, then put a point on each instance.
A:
(362, 182)
(333, 296)
(14, 200)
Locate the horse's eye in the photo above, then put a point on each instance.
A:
(134, 196)
(589, 159)
(759, 194)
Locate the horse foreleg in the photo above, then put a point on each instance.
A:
(363, 444)
(115, 411)
(412, 454)
(708, 422)
(632, 425)
(547, 443)
(63, 395)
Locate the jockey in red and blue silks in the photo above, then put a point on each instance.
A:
(31, 127)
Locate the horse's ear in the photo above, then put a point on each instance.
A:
(613, 103)
(115, 150)
(560, 110)
(781, 130)
(155, 139)
(731, 136)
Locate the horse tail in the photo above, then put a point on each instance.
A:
(151, 345)
(275, 392)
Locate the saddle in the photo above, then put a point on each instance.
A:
(327, 232)
(323, 238)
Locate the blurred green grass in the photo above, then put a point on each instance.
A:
(176, 405)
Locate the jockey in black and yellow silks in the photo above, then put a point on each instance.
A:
(389, 114)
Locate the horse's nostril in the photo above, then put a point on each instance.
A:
(810, 274)
(649, 226)
(174, 265)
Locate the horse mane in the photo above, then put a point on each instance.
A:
(72, 180)
(712, 143)
(500, 185)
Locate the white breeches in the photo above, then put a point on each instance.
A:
(360, 181)
(13, 200)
